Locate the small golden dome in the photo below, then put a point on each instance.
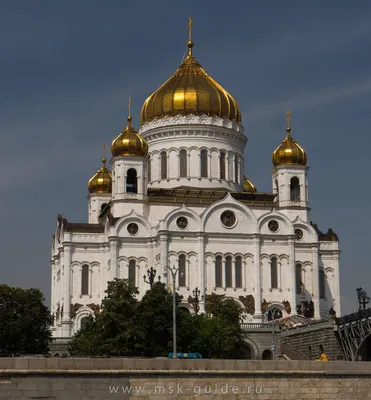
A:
(190, 91)
(129, 143)
(101, 182)
(248, 186)
(289, 152)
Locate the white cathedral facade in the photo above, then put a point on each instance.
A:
(177, 196)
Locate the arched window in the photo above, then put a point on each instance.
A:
(85, 279)
(83, 322)
(218, 271)
(149, 170)
(131, 181)
(222, 165)
(204, 167)
(132, 272)
(274, 273)
(238, 271)
(236, 177)
(322, 287)
(298, 278)
(277, 189)
(163, 165)
(274, 313)
(182, 270)
(294, 189)
(183, 163)
(228, 272)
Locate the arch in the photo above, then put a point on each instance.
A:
(163, 157)
(287, 227)
(222, 165)
(274, 312)
(298, 277)
(183, 163)
(182, 211)
(254, 349)
(274, 273)
(228, 271)
(218, 271)
(204, 164)
(131, 272)
(267, 355)
(322, 284)
(294, 189)
(85, 279)
(364, 350)
(182, 270)
(131, 181)
(238, 271)
(321, 349)
(126, 219)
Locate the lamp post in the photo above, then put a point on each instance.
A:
(151, 273)
(196, 299)
(274, 311)
(173, 272)
(363, 299)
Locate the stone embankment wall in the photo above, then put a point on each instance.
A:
(151, 379)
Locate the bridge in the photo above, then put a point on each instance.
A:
(354, 332)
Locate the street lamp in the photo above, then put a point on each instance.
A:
(195, 300)
(363, 299)
(173, 272)
(151, 273)
(274, 311)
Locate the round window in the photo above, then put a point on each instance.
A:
(133, 228)
(228, 218)
(298, 234)
(182, 222)
(273, 225)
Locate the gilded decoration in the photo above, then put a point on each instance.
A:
(190, 91)
(287, 306)
(95, 308)
(265, 305)
(101, 182)
(249, 303)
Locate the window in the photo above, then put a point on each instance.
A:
(322, 288)
(183, 163)
(85, 280)
(236, 177)
(294, 189)
(163, 165)
(132, 272)
(298, 278)
(274, 273)
(274, 313)
(277, 189)
(222, 165)
(132, 181)
(238, 271)
(149, 170)
(182, 270)
(204, 167)
(83, 322)
(228, 271)
(218, 271)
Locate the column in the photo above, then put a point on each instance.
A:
(226, 166)
(224, 286)
(168, 166)
(137, 277)
(244, 274)
(187, 272)
(315, 281)
(279, 275)
(178, 172)
(292, 275)
(164, 258)
(234, 273)
(209, 165)
(66, 291)
(188, 164)
(114, 262)
(258, 290)
(90, 281)
(201, 279)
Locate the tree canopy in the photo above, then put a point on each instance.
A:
(25, 322)
(128, 327)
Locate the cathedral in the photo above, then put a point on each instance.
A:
(175, 195)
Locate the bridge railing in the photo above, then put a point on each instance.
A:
(347, 319)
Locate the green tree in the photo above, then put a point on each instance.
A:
(114, 332)
(25, 322)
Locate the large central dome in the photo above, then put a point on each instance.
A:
(190, 91)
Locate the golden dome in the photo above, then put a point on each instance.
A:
(289, 152)
(129, 143)
(248, 186)
(101, 182)
(190, 91)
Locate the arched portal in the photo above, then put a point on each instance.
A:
(267, 355)
(364, 350)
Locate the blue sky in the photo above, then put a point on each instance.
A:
(67, 69)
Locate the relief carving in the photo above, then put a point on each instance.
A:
(74, 309)
(265, 305)
(249, 303)
(95, 308)
(286, 304)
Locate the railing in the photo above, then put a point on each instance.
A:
(58, 340)
(256, 325)
(361, 314)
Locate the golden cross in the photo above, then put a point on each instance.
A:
(190, 22)
(129, 104)
(288, 115)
